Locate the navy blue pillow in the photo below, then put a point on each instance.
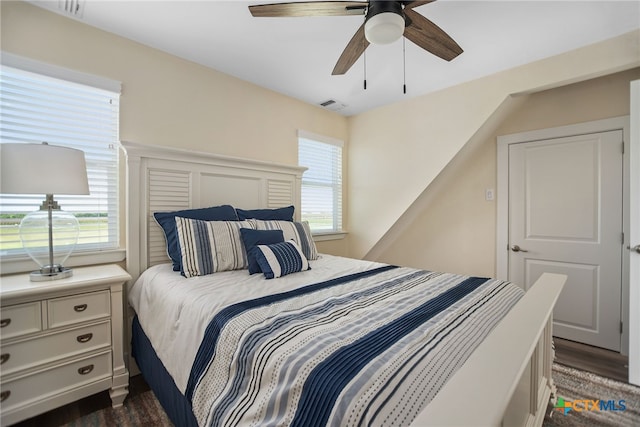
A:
(167, 220)
(252, 238)
(279, 214)
(280, 259)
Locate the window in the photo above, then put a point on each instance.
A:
(321, 182)
(36, 107)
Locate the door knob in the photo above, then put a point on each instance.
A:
(635, 248)
(516, 248)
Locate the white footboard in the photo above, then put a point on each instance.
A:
(507, 380)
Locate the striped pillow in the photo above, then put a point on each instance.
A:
(210, 246)
(299, 232)
(280, 259)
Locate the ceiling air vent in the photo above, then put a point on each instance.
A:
(333, 105)
(71, 7)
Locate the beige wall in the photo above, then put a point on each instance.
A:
(397, 151)
(456, 229)
(169, 101)
(393, 153)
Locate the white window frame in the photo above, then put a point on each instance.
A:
(21, 262)
(337, 233)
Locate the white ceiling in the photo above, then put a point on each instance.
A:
(295, 56)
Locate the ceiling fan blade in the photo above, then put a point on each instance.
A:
(412, 4)
(352, 52)
(310, 8)
(429, 36)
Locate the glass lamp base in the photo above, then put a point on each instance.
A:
(46, 274)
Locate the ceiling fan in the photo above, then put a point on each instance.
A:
(385, 22)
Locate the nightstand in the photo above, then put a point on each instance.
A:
(61, 340)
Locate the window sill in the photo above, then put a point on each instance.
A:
(23, 264)
(329, 235)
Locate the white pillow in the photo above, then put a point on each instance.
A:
(299, 232)
(210, 246)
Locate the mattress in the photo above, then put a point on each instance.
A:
(348, 342)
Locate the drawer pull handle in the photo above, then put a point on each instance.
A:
(4, 357)
(85, 369)
(5, 322)
(85, 338)
(80, 308)
(5, 395)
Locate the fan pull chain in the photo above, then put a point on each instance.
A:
(404, 67)
(365, 69)
(364, 51)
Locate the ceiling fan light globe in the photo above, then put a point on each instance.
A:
(384, 28)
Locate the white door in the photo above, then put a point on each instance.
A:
(565, 216)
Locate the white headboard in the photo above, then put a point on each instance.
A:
(168, 179)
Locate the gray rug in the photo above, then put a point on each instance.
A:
(586, 399)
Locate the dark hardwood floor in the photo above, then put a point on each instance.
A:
(73, 411)
(603, 362)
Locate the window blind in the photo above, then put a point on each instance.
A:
(321, 182)
(36, 108)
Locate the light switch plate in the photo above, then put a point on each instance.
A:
(489, 194)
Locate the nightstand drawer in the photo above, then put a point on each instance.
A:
(62, 340)
(51, 347)
(20, 319)
(28, 389)
(78, 308)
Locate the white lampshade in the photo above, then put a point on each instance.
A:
(384, 28)
(42, 169)
(48, 235)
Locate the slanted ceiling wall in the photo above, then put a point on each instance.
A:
(451, 226)
(397, 151)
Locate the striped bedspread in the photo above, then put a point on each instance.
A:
(369, 348)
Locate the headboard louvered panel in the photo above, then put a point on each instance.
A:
(168, 191)
(168, 179)
(279, 193)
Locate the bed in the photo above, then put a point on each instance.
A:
(333, 341)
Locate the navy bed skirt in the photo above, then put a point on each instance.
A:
(155, 374)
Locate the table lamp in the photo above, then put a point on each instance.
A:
(48, 235)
